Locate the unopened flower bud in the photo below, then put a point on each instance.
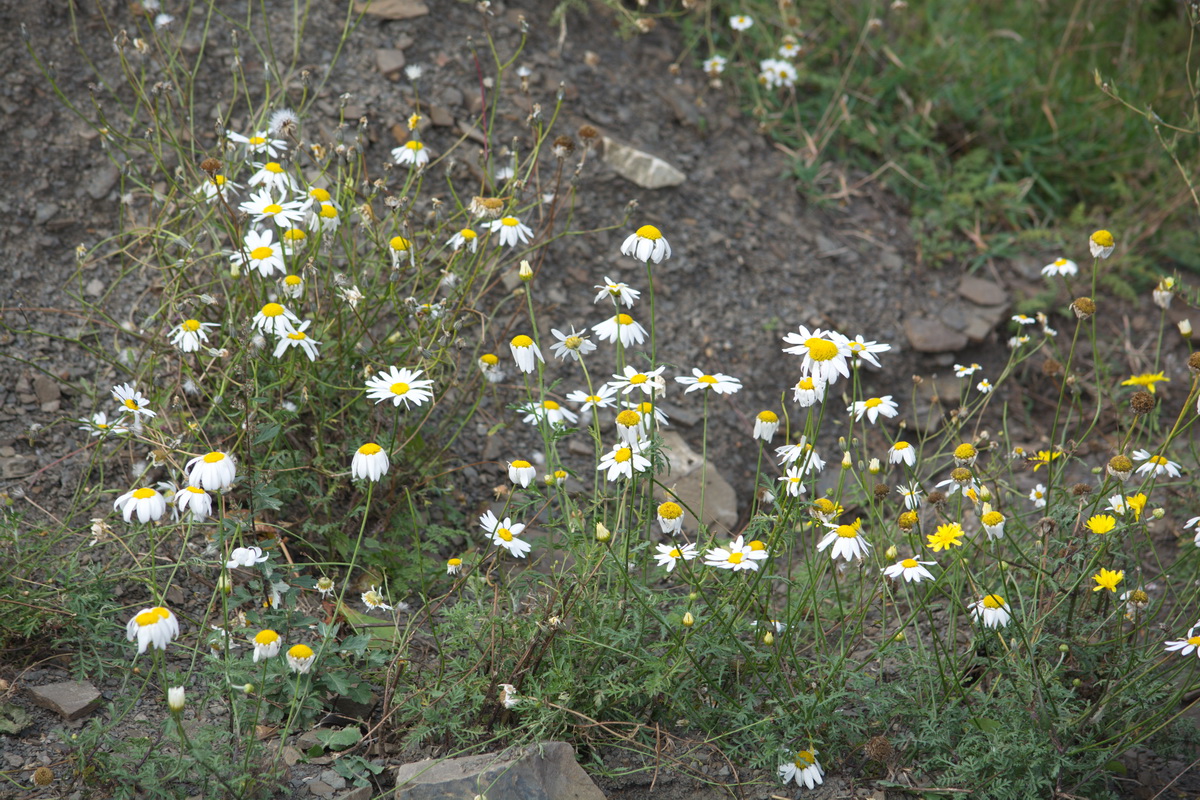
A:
(846, 462)
(1158, 513)
(688, 620)
(768, 639)
(526, 271)
(603, 534)
(873, 466)
(175, 699)
(891, 553)
(1185, 328)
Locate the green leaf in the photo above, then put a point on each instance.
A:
(13, 719)
(339, 739)
(1116, 767)
(986, 725)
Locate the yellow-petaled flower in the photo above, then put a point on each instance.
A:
(1146, 380)
(300, 658)
(1101, 523)
(945, 537)
(1044, 457)
(1107, 579)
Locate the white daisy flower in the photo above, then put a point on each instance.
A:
(99, 425)
(966, 372)
(670, 517)
(633, 379)
(216, 186)
(152, 627)
(736, 556)
(214, 471)
(765, 425)
(902, 453)
(826, 353)
(775, 73)
(549, 410)
(374, 601)
(873, 408)
(617, 291)
(263, 207)
(808, 391)
(984, 386)
(521, 473)
(714, 65)
(801, 452)
(669, 555)
(847, 540)
(865, 351)
(740, 22)
(489, 365)
(623, 460)
(274, 178)
(510, 230)
(1155, 465)
(603, 398)
(147, 503)
(1038, 495)
(195, 501)
(504, 534)
(622, 327)
(804, 769)
(298, 338)
(912, 495)
(300, 658)
(911, 570)
(245, 557)
(794, 481)
(292, 286)
(400, 386)
(719, 383)
(464, 238)
(992, 609)
(573, 344)
(1101, 244)
(370, 462)
(526, 353)
(412, 152)
(190, 334)
(646, 244)
(266, 644)
(1060, 266)
(260, 142)
(132, 400)
(1186, 646)
(275, 320)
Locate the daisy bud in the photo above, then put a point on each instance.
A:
(873, 466)
(526, 272)
(688, 620)
(891, 553)
(175, 699)
(1158, 513)
(1185, 328)
(1064, 648)
(224, 584)
(768, 639)
(899, 637)
(603, 534)
(846, 461)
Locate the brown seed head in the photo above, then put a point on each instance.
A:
(1083, 307)
(1051, 368)
(881, 490)
(936, 498)
(43, 776)
(1081, 489)
(879, 748)
(563, 146)
(1194, 361)
(587, 133)
(1142, 403)
(211, 165)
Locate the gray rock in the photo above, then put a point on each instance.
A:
(46, 389)
(641, 168)
(359, 793)
(393, 9)
(94, 288)
(333, 779)
(982, 292)
(546, 771)
(930, 335)
(71, 699)
(688, 474)
(389, 63)
(17, 466)
(320, 788)
(45, 212)
(100, 181)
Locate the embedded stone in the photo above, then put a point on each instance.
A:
(982, 292)
(930, 335)
(641, 168)
(544, 771)
(70, 699)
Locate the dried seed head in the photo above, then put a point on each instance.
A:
(1120, 467)
(1051, 368)
(588, 134)
(1083, 307)
(881, 490)
(211, 165)
(1081, 489)
(1142, 403)
(1193, 361)
(43, 776)
(935, 498)
(563, 146)
(879, 748)
(487, 207)
(908, 519)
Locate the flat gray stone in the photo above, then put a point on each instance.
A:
(320, 788)
(70, 699)
(389, 63)
(688, 474)
(929, 335)
(982, 292)
(100, 181)
(546, 771)
(46, 389)
(641, 168)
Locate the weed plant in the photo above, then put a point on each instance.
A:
(274, 489)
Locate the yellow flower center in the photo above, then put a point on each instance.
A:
(993, 601)
(1103, 238)
(993, 518)
(505, 534)
(131, 403)
(1158, 461)
(736, 558)
(219, 180)
(901, 446)
(1058, 262)
(257, 140)
(874, 402)
(709, 379)
(273, 166)
(147, 618)
(300, 651)
(510, 222)
(804, 760)
(260, 253)
(624, 319)
(214, 457)
(847, 531)
(399, 243)
(522, 341)
(1194, 641)
(294, 235)
(272, 310)
(756, 545)
(964, 451)
(623, 455)
(675, 553)
(266, 636)
(272, 208)
(628, 418)
(293, 280)
(820, 349)
(455, 562)
(399, 388)
(191, 325)
(413, 145)
(327, 211)
(320, 195)
(908, 563)
(490, 359)
(297, 336)
(518, 464)
(467, 234)
(649, 232)
(573, 342)
(193, 489)
(144, 493)
(670, 510)
(369, 449)
(806, 384)
(768, 416)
